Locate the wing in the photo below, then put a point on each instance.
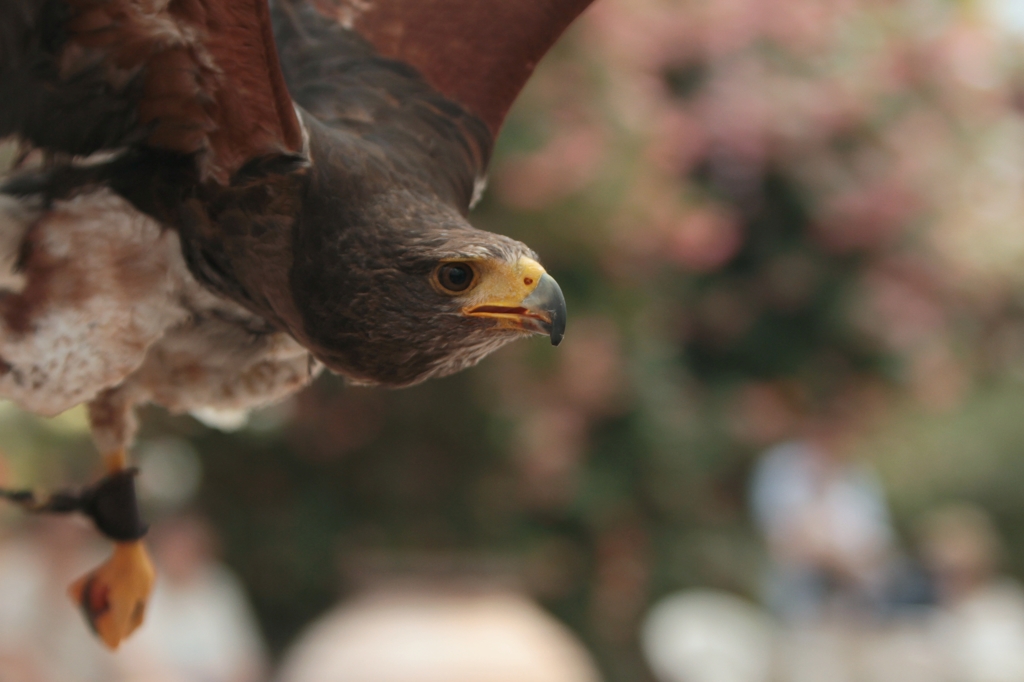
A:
(478, 53)
(186, 76)
(426, 82)
(87, 283)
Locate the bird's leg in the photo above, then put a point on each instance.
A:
(113, 597)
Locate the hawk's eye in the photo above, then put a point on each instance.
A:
(455, 277)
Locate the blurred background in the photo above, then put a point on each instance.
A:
(783, 438)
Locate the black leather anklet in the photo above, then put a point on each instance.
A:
(111, 503)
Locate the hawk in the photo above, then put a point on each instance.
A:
(216, 199)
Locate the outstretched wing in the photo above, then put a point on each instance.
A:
(428, 81)
(187, 76)
(478, 53)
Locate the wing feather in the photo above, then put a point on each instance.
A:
(187, 76)
(478, 53)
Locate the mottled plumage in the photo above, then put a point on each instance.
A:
(210, 226)
(181, 231)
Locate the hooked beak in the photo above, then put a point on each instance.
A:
(533, 303)
(548, 304)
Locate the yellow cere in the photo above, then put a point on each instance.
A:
(502, 284)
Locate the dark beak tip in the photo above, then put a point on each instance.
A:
(547, 299)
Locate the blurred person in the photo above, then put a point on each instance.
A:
(430, 625)
(199, 624)
(980, 622)
(826, 522)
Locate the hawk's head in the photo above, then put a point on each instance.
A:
(410, 290)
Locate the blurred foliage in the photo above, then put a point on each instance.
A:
(754, 207)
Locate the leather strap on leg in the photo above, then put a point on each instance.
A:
(111, 503)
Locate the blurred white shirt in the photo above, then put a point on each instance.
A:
(982, 635)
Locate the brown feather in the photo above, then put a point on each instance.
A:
(211, 83)
(479, 53)
(254, 112)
